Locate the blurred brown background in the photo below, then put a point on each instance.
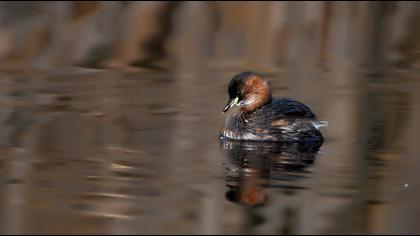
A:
(264, 34)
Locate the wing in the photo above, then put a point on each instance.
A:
(289, 107)
(283, 108)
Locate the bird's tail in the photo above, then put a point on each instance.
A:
(319, 124)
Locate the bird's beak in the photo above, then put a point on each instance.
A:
(231, 103)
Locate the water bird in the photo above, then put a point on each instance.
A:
(257, 116)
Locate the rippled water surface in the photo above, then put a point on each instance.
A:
(108, 151)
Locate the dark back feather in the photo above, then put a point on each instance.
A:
(284, 108)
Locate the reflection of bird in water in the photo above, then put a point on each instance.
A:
(251, 165)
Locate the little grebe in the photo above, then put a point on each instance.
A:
(263, 118)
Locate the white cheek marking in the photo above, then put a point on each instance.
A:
(250, 100)
(240, 104)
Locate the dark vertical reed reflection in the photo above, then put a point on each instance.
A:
(154, 46)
